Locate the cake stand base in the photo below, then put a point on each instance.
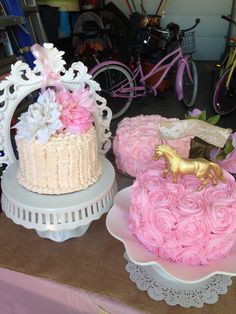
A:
(63, 235)
(160, 286)
(58, 217)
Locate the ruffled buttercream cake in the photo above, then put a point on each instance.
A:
(66, 163)
(178, 223)
(57, 143)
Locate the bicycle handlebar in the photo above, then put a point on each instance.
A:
(172, 27)
(197, 21)
(228, 18)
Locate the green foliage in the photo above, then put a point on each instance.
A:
(202, 116)
(213, 119)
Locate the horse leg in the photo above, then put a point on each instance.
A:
(175, 174)
(164, 173)
(204, 181)
(212, 178)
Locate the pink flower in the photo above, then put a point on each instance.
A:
(220, 192)
(190, 183)
(191, 255)
(194, 113)
(189, 204)
(160, 198)
(223, 218)
(191, 231)
(151, 179)
(219, 246)
(84, 99)
(162, 220)
(229, 163)
(76, 110)
(149, 235)
(233, 138)
(169, 248)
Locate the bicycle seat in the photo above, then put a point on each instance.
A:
(91, 28)
(173, 28)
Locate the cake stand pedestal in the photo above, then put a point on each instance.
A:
(160, 286)
(58, 217)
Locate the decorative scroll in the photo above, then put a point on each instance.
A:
(22, 81)
(211, 134)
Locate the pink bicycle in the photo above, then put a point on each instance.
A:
(121, 84)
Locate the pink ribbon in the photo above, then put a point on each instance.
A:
(47, 73)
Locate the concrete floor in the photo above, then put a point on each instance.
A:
(168, 105)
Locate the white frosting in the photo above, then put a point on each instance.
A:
(67, 163)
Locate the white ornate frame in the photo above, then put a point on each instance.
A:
(22, 81)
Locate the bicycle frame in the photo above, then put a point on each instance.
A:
(139, 78)
(231, 72)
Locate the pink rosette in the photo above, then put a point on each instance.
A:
(219, 194)
(137, 218)
(151, 180)
(149, 237)
(139, 197)
(162, 220)
(189, 205)
(190, 231)
(160, 198)
(194, 256)
(219, 246)
(230, 184)
(223, 218)
(168, 249)
(174, 188)
(190, 183)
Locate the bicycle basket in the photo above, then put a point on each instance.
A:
(188, 44)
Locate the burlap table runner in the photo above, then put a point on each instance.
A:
(93, 262)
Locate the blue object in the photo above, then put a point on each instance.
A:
(22, 34)
(64, 24)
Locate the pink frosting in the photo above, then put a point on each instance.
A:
(76, 110)
(178, 223)
(135, 140)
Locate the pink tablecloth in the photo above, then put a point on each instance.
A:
(24, 294)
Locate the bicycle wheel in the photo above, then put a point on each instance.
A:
(224, 99)
(190, 87)
(112, 79)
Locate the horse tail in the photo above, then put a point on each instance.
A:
(218, 171)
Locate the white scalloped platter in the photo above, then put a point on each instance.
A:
(117, 225)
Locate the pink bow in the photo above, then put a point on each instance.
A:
(47, 73)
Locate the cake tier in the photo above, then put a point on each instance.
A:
(135, 140)
(66, 163)
(179, 223)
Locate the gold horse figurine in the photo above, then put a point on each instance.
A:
(203, 169)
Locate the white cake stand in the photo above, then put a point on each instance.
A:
(163, 280)
(64, 216)
(58, 217)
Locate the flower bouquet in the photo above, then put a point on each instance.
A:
(56, 112)
(226, 156)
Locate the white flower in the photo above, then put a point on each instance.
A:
(41, 120)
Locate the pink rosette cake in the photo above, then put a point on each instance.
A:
(179, 223)
(135, 140)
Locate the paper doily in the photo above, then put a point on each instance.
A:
(172, 292)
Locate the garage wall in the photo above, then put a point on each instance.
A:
(211, 33)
